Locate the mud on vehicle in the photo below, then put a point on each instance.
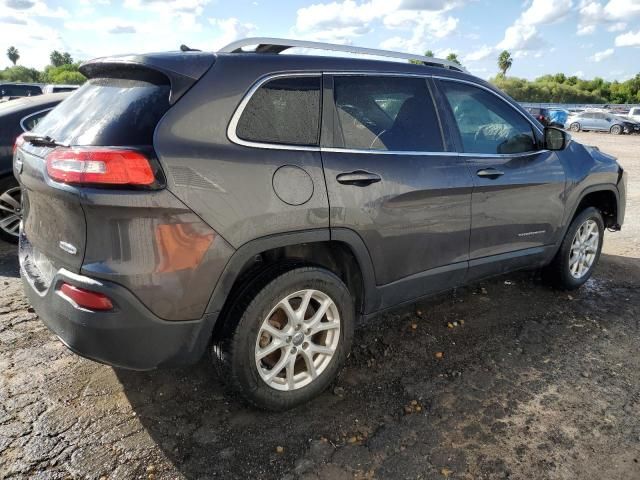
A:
(255, 205)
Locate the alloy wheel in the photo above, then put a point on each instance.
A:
(10, 211)
(584, 249)
(297, 340)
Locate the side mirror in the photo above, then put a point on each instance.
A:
(555, 139)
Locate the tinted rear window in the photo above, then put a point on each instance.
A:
(109, 111)
(284, 111)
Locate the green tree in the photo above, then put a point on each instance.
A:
(504, 62)
(452, 57)
(13, 54)
(67, 73)
(20, 74)
(60, 58)
(428, 53)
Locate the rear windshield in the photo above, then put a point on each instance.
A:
(108, 111)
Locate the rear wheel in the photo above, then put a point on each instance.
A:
(10, 209)
(580, 251)
(574, 127)
(293, 333)
(616, 130)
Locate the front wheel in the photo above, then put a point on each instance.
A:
(616, 130)
(293, 334)
(574, 127)
(580, 251)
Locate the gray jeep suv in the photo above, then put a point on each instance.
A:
(255, 205)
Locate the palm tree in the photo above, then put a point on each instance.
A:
(504, 62)
(452, 57)
(13, 54)
(428, 53)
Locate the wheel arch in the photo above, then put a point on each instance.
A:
(342, 252)
(604, 197)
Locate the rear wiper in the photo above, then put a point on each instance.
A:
(42, 140)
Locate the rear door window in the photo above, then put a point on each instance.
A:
(386, 113)
(487, 124)
(283, 111)
(110, 111)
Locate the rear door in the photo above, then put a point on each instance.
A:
(517, 199)
(394, 180)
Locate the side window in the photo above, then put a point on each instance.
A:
(487, 123)
(30, 122)
(386, 113)
(284, 111)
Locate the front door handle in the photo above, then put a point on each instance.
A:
(491, 173)
(359, 178)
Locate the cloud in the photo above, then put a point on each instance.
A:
(13, 20)
(542, 12)
(522, 37)
(480, 54)
(19, 4)
(232, 29)
(120, 29)
(629, 39)
(593, 13)
(599, 56)
(341, 21)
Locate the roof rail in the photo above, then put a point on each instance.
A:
(278, 45)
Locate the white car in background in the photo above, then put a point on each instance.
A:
(634, 114)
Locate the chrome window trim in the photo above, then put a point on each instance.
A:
(33, 115)
(233, 124)
(232, 136)
(388, 152)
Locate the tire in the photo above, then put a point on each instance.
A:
(283, 379)
(574, 127)
(616, 130)
(10, 209)
(562, 271)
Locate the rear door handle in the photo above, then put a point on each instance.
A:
(359, 178)
(491, 173)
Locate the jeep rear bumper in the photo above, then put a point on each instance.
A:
(129, 336)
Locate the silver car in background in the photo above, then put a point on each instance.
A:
(600, 122)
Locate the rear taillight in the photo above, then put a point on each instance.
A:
(86, 298)
(18, 144)
(99, 165)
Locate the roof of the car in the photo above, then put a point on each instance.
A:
(31, 103)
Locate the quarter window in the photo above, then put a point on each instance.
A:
(284, 111)
(386, 113)
(486, 123)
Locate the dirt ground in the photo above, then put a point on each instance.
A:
(533, 384)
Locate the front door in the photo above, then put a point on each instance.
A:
(517, 201)
(393, 180)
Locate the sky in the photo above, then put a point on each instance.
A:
(586, 38)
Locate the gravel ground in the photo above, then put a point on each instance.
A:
(532, 384)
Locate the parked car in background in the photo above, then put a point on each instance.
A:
(255, 205)
(55, 88)
(634, 114)
(631, 125)
(558, 117)
(9, 91)
(540, 114)
(598, 121)
(17, 117)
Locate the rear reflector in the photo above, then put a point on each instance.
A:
(86, 298)
(99, 165)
